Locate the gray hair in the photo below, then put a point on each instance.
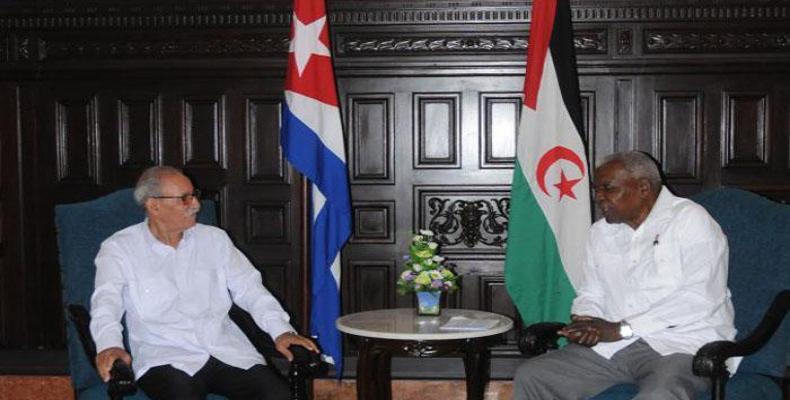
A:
(149, 183)
(638, 165)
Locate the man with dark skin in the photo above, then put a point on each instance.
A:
(621, 199)
(654, 290)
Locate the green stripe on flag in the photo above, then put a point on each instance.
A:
(534, 275)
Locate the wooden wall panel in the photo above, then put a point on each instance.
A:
(204, 131)
(499, 116)
(679, 134)
(746, 139)
(265, 161)
(269, 222)
(437, 130)
(371, 281)
(139, 132)
(374, 222)
(77, 133)
(371, 128)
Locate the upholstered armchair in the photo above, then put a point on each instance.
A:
(758, 231)
(81, 229)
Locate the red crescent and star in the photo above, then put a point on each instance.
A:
(549, 158)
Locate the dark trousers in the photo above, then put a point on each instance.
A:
(257, 383)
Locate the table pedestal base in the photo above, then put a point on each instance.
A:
(374, 380)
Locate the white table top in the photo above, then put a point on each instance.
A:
(405, 324)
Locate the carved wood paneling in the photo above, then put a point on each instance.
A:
(436, 130)
(159, 47)
(371, 129)
(269, 222)
(679, 134)
(373, 282)
(204, 131)
(265, 162)
(746, 138)
(465, 220)
(77, 134)
(139, 132)
(715, 41)
(499, 116)
(625, 42)
(585, 42)
(374, 222)
(362, 13)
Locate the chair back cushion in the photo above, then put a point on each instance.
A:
(758, 231)
(81, 228)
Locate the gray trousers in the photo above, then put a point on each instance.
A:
(578, 372)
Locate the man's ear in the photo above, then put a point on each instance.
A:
(150, 206)
(645, 189)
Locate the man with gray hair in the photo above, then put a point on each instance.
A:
(175, 280)
(654, 291)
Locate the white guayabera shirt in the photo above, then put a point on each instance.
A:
(176, 300)
(667, 278)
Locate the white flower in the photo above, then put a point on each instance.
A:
(426, 232)
(416, 267)
(436, 274)
(432, 245)
(416, 238)
(438, 259)
(428, 262)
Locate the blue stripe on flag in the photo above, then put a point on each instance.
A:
(331, 226)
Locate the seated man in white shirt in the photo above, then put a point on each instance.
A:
(175, 281)
(654, 291)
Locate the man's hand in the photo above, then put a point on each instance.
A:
(288, 338)
(588, 331)
(105, 359)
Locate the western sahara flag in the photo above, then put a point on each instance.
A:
(312, 140)
(550, 201)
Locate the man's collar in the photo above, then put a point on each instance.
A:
(660, 207)
(161, 248)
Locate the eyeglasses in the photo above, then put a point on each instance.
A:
(185, 198)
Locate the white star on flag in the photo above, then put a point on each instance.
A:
(306, 42)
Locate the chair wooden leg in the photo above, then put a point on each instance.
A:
(298, 382)
(718, 387)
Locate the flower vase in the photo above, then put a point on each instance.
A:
(429, 302)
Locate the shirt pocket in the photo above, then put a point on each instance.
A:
(155, 298)
(662, 277)
(199, 292)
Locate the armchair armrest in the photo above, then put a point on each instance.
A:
(709, 360)
(308, 364)
(121, 381)
(539, 338)
(81, 318)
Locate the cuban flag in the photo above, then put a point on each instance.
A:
(312, 141)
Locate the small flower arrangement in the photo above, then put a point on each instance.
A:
(424, 270)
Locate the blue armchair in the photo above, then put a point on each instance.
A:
(758, 231)
(81, 228)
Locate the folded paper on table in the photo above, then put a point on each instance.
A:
(461, 323)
